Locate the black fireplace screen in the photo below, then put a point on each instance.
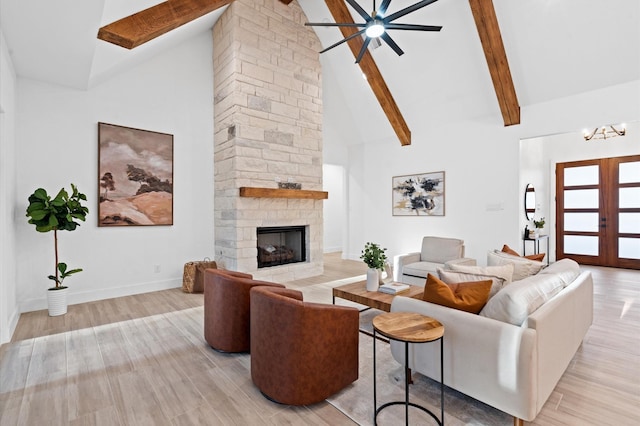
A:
(280, 245)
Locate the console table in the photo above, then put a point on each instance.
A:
(536, 245)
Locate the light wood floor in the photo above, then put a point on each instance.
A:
(79, 369)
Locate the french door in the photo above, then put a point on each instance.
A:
(598, 211)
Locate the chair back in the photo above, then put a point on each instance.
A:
(301, 352)
(441, 250)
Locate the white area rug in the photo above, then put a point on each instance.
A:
(356, 401)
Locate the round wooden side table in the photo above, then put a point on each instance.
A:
(408, 327)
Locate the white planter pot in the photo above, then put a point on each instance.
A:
(57, 301)
(373, 278)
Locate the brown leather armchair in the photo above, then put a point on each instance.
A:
(301, 353)
(226, 309)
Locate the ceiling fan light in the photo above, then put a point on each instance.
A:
(374, 29)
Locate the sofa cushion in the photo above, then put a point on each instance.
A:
(466, 296)
(514, 303)
(499, 275)
(567, 269)
(523, 268)
(420, 269)
(440, 250)
(539, 257)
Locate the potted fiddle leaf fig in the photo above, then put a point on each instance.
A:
(60, 213)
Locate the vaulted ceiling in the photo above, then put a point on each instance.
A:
(553, 49)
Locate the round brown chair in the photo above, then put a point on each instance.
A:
(226, 309)
(301, 353)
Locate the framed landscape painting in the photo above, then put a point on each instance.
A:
(418, 195)
(135, 177)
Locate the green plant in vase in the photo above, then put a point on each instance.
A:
(539, 224)
(375, 258)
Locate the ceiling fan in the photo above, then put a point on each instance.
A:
(377, 24)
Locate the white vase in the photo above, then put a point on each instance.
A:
(373, 278)
(57, 301)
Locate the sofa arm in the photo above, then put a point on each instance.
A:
(462, 261)
(403, 259)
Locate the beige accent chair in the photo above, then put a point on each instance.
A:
(437, 252)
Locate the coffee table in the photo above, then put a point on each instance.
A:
(357, 292)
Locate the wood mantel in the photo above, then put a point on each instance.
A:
(248, 191)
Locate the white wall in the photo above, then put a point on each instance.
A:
(9, 312)
(56, 144)
(533, 170)
(481, 160)
(334, 218)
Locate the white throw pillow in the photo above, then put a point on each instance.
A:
(523, 267)
(514, 303)
(500, 275)
(566, 269)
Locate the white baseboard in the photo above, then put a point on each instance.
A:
(76, 296)
(11, 327)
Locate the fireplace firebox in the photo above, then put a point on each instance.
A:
(279, 245)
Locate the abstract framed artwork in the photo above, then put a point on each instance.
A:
(135, 177)
(418, 195)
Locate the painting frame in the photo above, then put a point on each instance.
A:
(135, 177)
(419, 194)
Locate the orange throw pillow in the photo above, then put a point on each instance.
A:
(509, 250)
(467, 296)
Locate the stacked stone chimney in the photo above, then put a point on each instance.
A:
(268, 128)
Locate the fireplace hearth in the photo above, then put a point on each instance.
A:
(281, 245)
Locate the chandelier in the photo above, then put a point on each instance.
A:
(604, 132)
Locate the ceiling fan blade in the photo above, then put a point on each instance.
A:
(360, 10)
(363, 49)
(334, 24)
(391, 43)
(392, 26)
(383, 8)
(354, 35)
(408, 9)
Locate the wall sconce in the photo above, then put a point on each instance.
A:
(604, 132)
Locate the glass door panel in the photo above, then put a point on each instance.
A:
(629, 248)
(629, 172)
(584, 175)
(581, 222)
(629, 198)
(629, 223)
(581, 198)
(581, 245)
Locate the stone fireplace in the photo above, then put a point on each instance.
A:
(268, 129)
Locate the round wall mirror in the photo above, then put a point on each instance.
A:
(530, 202)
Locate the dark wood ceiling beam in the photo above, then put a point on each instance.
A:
(340, 12)
(150, 23)
(491, 39)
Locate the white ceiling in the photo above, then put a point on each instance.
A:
(555, 48)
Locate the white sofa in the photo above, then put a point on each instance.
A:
(437, 252)
(512, 367)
